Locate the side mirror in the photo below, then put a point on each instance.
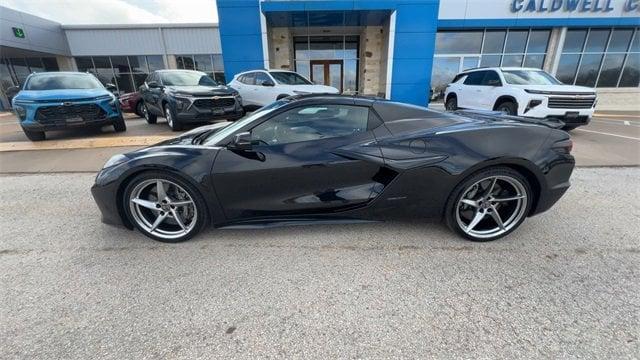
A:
(268, 83)
(111, 87)
(13, 90)
(153, 84)
(241, 142)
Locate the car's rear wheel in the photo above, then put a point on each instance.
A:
(35, 135)
(120, 125)
(174, 124)
(148, 116)
(489, 204)
(451, 104)
(164, 207)
(508, 108)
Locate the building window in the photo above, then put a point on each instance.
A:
(340, 53)
(127, 73)
(598, 57)
(211, 64)
(457, 51)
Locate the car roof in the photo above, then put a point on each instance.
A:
(495, 68)
(178, 70)
(60, 73)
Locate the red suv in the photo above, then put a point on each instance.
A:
(132, 103)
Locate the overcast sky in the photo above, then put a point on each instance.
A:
(118, 11)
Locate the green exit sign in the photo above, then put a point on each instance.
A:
(18, 32)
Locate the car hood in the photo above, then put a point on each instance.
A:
(311, 89)
(201, 90)
(558, 88)
(62, 94)
(188, 137)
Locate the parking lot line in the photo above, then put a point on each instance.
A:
(82, 143)
(610, 134)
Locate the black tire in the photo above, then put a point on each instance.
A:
(202, 213)
(451, 104)
(173, 122)
(508, 108)
(140, 109)
(34, 135)
(120, 125)
(148, 116)
(461, 189)
(569, 127)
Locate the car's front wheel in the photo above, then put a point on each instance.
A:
(164, 207)
(451, 104)
(119, 125)
(508, 108)
(148, 116)
(174, 124)
(140, 109)
(489, 204)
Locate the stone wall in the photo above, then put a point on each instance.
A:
(280, 48)
(371, 58)
(618, 99)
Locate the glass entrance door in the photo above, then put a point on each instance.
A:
(327, 72)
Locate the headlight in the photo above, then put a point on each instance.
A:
(182, 102)
(20, 111)
(115, 160)
(301, 92)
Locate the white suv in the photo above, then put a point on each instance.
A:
(522, 92)
(262, 87)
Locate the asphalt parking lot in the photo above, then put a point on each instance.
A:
(564, 285)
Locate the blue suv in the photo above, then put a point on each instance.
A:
(63, 100)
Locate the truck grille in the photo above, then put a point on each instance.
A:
(215, 103)
(87, 112)
(571, 103)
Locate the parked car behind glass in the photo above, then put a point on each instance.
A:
(132, 103)
(522, 92)
(261, 87)
(62, 100)
(187, 96)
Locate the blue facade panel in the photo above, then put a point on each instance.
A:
(414, 45)
(240, 36)
(416, 25)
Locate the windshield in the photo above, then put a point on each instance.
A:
(218, 136)
(289, 78)
(62, 81)
(186, 78)
(529, 77)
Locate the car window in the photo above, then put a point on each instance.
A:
(262, 78)
(62, 81)
(458, 77)
(186, 78)
(289, 78)
(312, 122)
(474, 78)
(491, 78)
(529, 77)
(249, 79)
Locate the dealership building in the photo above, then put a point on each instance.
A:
(405, 50)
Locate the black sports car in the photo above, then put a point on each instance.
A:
(335, 159)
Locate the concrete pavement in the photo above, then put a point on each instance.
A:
(565, 285)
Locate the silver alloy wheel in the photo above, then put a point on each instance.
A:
(163, 208)
(167, 114)
(491, 207)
